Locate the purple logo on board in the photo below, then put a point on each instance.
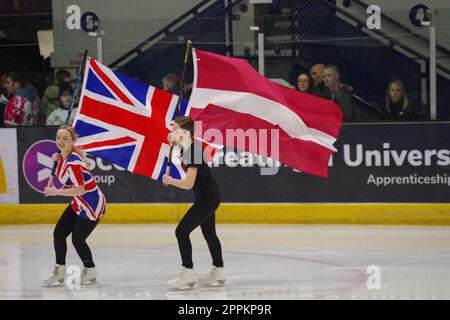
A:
(37, 165)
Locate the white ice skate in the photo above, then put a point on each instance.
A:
(57, 276)
(187, 278)
(88, 275)
(215, 277)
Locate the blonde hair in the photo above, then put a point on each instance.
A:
(74, 136)
(402, 90)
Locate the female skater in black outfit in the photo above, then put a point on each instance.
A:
(202, 212)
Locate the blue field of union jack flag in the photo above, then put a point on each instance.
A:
(126, 122)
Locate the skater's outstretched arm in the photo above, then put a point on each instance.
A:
(75, 191)
(186, 183)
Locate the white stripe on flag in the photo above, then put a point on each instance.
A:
(101, 137)
(163, 151)
(171, 111)
(112, 76)
(263, 108)
(176, 161)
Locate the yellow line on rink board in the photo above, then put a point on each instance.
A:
(252, 213)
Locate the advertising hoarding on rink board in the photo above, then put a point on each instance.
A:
(375, 162)
(9, 187)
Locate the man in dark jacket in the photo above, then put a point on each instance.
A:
(338, 93)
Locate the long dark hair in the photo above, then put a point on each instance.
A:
(312, 88)
(186, 123)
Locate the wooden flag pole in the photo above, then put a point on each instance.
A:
(77, 84)
(72, 101)
(177, 111)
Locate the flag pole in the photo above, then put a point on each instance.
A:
(177, 110)
(77, 84)
(72, 101)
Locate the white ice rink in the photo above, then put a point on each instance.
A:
(262, 262)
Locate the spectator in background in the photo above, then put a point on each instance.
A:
(170, 83)
(50, 99)
(3, 103)
(187, 90)
(398, 106)
(3, 98)
(317, 77)
(338, 93)
(2, 84)
(23, 106)
(305, 84)
(58, 117)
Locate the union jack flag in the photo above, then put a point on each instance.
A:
(126, 122)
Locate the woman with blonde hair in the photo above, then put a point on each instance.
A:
(398, 106)
(85, 210)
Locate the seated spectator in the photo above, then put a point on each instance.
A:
(317, 77)
(170, 83)
(59, 116)
(2, 84)
(338, 93)
(305, 84)
(23, 106)
(50, 99)
(398, 106)
(3, 103)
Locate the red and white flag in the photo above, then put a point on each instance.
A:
(229, 94)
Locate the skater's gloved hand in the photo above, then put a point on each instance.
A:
(56, 157)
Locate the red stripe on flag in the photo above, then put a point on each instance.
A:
(107, 143)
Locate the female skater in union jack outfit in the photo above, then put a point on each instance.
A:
(84, 212)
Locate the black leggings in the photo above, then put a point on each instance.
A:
(200, 214)
(80, 228)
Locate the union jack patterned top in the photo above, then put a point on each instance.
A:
(72, 172)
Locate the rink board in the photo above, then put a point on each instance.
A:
(269, 213)
(375, 163)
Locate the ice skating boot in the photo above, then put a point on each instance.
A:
(186, 278)
(88, 275)
(57, 276)
(215, 277)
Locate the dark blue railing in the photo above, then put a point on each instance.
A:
(403, 27)
(165, 31)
